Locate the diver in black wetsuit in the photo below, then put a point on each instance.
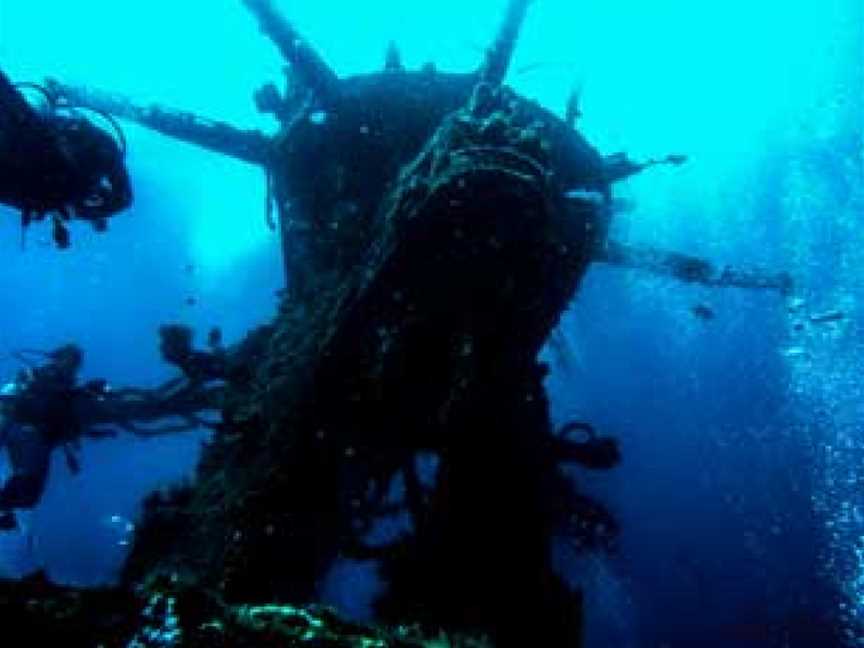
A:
(56, 162)
(39, 411)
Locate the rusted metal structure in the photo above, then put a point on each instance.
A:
(355, 134)
(434, 227)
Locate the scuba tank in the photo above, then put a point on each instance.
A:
(57, 163)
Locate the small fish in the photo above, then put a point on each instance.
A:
(190, 300)
(794, 352)
(189, 268)
(828, 316)
(795, 304)
(702, 311)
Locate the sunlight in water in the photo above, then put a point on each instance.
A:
(656, 77)
(753, 93)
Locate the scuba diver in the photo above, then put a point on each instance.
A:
(40, 410)
(55, 162)
(46, 407)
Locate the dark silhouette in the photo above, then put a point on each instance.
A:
(39, 413)
(46, 407)
(434, 226)
(57, 163)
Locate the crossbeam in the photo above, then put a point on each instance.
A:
(250, 146)
(307, 66)
(500, 53)
(692, 269)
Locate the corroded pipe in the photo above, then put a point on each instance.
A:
(307, 65)
(498, 56)
(247, 145)
(691, 269)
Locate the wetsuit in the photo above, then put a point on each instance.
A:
(29, 456)
(38, 413)
(57, 163)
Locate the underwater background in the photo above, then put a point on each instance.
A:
(739, 496)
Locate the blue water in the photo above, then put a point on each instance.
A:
(740, 493)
